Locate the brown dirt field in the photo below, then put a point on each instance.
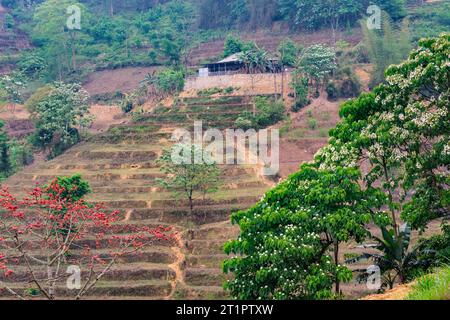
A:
(105, 116)
(123, 80)
(20, 113)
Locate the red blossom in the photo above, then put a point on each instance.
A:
(48, 220)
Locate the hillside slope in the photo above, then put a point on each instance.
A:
(120, 166)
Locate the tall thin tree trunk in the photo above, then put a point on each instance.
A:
(336, 261)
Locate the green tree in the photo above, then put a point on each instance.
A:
(169, 28)
(74, 188)
(400, 133)
(313, 14)
(12, 84)
(317, 63)
(386, 47)
(289, 242)
(32, 65)
(255, 59)
(50, 31)
(60, 113)
(289, 52)
(189, 171)
(5, 163)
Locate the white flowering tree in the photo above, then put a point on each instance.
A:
(400, 135)
(60, 114)
(289, 244)
(317, 63)
(11, 86)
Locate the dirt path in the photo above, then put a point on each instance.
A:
(398, 293)
(177, 265)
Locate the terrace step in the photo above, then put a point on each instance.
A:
(204, 277)
(154, 254)
(205, 260)
(204, 247)
(127, 272)
(120, 166)
(202, 293)
(150, 288)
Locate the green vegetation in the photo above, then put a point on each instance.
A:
(317, 63)
(58, 114)
(267, 112)
(13, 154)
(74, 187)
(386, 47)
(190, 172)
(213, 91)
(234, 44)
(166, 82)
(11, 86)
(289, 239)
(434, 286)
(430, 20)
(289, 51)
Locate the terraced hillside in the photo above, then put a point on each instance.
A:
(120, 166)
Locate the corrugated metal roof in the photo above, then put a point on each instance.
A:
(232, 58)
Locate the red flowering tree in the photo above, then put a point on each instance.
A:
(48, 239)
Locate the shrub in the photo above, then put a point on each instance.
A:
(312, 123)
(350, 87)
(269, 111)
(431, 253)
(300, 103)
(169, 81)
(21, 155)
(332, 91)
(244, 122)
(37, 97)
(32, 64)
(361, 54)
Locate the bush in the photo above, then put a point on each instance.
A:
(37, 97)
(244, 122)
(32, 65)
(269, 112)
(431, 253)
(169, 81)
(300, 103)
(21, 155)
(127, 105)
(332, 91)
(312, 123)
(350, 87)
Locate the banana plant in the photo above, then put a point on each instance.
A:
(393, 257)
